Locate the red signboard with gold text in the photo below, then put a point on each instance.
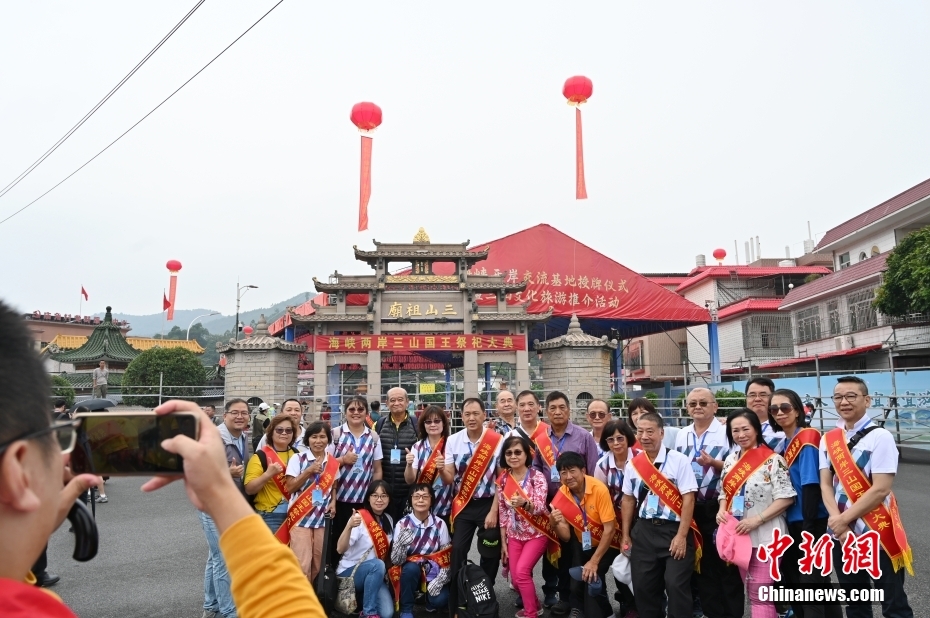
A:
(416, 343)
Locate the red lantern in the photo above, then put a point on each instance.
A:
(222, 360)
(248, 331)
(367, 117)
(173, 267)
(719, 254)
(578, 90)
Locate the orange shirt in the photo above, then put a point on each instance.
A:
(596, 502)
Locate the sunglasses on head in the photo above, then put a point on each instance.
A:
(784, 407)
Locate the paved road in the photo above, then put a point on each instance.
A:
(152, 552)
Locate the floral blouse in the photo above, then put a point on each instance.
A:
(535, 487)
(767, 484)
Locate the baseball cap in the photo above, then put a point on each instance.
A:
(489, 542)
(594, 588)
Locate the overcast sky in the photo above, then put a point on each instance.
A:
(710, 121)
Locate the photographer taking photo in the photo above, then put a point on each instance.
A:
(34, 500)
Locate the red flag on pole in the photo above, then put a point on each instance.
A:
(84, 293)
(165, 305)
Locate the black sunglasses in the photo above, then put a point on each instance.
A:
(784, 407)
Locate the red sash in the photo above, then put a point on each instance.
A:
(543, 442)
(540, 521)
(884, 520)
(806, 437)
(573, 516)
(272, 457)
(482, 457)
(668, 494)
(304, 503)
(378, 537)
(370, 422)
(745, 467)
(430, 470)
(443, 558)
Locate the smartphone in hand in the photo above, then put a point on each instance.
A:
(129, 443)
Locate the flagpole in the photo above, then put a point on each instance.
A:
(81, 301)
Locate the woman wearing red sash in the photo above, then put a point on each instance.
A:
(364, 545)
(266, 482)
(427, 457)
(617, 440)
(304, 473)
(757, 493)
(802, 444)
(522, 543)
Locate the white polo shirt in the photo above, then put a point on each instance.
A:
(459, 449)
(714, 442)
(675, 467)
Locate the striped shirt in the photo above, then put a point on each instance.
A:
(421, 452)
(676, 468)
(608, 473)
(295, 467)
(354, 479)
(714, 442)
(876, 453)
(459, 450)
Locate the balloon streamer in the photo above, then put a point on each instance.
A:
(367, 117)
(173, 267)
(578, 90)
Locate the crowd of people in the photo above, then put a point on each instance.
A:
(677, 523)
(406, 497)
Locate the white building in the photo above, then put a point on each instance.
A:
(833, 318)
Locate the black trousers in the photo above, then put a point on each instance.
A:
(340, 521)
(791, 574)
(556, 578)
(655, 571)
(466, 524)
(719, 585)
(895, 604)
(592, 606)
(41, 563)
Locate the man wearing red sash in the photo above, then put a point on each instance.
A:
(470, 467)
(660, 484)
(561, 436)
(583, 505)
(856, 484)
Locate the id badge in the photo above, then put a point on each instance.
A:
(395, 455)
(652, 505)
(317, 497)
(586, 540)
(357, 467)
(554, 475)
(738, 506)
(698, 471)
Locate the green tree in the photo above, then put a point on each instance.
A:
(176, 368)
(905, 285)
(62, 389)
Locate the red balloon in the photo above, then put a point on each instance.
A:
(719, 254)
(366, 116)
(247, 330)
(577, 89)
(173, 265)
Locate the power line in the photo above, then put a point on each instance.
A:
(107, 147)
(87, 116)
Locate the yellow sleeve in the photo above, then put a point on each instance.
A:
(604, 505)
(253, 470)
(273, 586)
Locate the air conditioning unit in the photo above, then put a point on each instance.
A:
(331, 300)
(844, 342)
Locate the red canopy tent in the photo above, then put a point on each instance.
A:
(572, 278)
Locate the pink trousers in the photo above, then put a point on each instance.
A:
(523, 556)
(758, 575)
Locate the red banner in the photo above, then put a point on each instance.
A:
(417, 343)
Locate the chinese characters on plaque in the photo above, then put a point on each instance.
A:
(366, 343)
(555, 289)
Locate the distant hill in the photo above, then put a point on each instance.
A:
(149, 325)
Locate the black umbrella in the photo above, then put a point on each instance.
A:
(94, 405)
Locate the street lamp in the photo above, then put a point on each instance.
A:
(240, 292)
(206, 315)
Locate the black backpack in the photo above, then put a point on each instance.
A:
(262, 459)
(476, 593)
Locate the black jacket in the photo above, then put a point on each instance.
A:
(404, 437)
